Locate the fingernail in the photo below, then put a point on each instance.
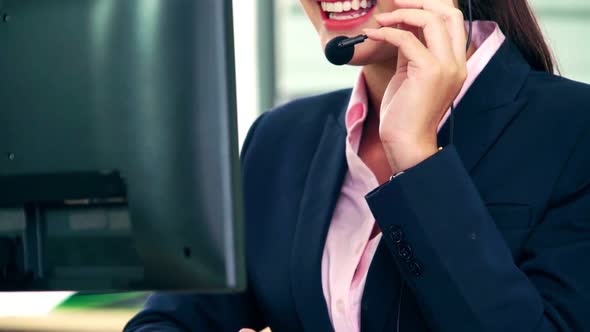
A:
(373, 34)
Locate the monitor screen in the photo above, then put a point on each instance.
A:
(119, 166)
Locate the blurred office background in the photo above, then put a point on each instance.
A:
(278, 59)
(301, 69)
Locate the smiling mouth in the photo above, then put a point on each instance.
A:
(346, 10)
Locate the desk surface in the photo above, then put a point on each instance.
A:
(70, 321)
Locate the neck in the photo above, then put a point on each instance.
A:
(377, 77)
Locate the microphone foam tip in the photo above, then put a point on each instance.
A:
(338, 55)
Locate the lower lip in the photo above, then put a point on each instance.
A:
(337, 25)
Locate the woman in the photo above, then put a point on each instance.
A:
(370, 210)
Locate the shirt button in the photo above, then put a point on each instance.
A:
(340, 306)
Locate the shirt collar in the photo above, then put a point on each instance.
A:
(486, 37)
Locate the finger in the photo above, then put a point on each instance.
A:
(402, 60)
(401, 63)
(434, 28)
(247, 330)
(406, 42)
(452, 16)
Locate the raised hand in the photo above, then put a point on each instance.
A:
(429, 75)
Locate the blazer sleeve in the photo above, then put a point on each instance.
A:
(455, 261)
(175, 312)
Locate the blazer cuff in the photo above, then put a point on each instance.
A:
(446, 244)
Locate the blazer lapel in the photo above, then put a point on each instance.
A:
(488, 106)
(321, 192)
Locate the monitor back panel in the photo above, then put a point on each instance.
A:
(119, 132)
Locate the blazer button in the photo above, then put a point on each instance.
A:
(405, 252)
(396, 234)
(415, 268)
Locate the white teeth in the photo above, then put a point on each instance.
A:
(345, 6)
(340, 17)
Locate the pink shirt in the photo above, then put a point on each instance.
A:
(348, 251)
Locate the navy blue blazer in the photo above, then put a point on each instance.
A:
(490, 234)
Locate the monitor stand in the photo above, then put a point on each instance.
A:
(77, 236)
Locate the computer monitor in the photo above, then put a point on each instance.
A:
(119, 166)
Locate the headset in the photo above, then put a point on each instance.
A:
(340, 50)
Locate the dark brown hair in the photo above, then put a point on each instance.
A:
(518, 22)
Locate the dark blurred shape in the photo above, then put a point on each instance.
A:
(338, 55)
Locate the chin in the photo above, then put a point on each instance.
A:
(349, 18)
